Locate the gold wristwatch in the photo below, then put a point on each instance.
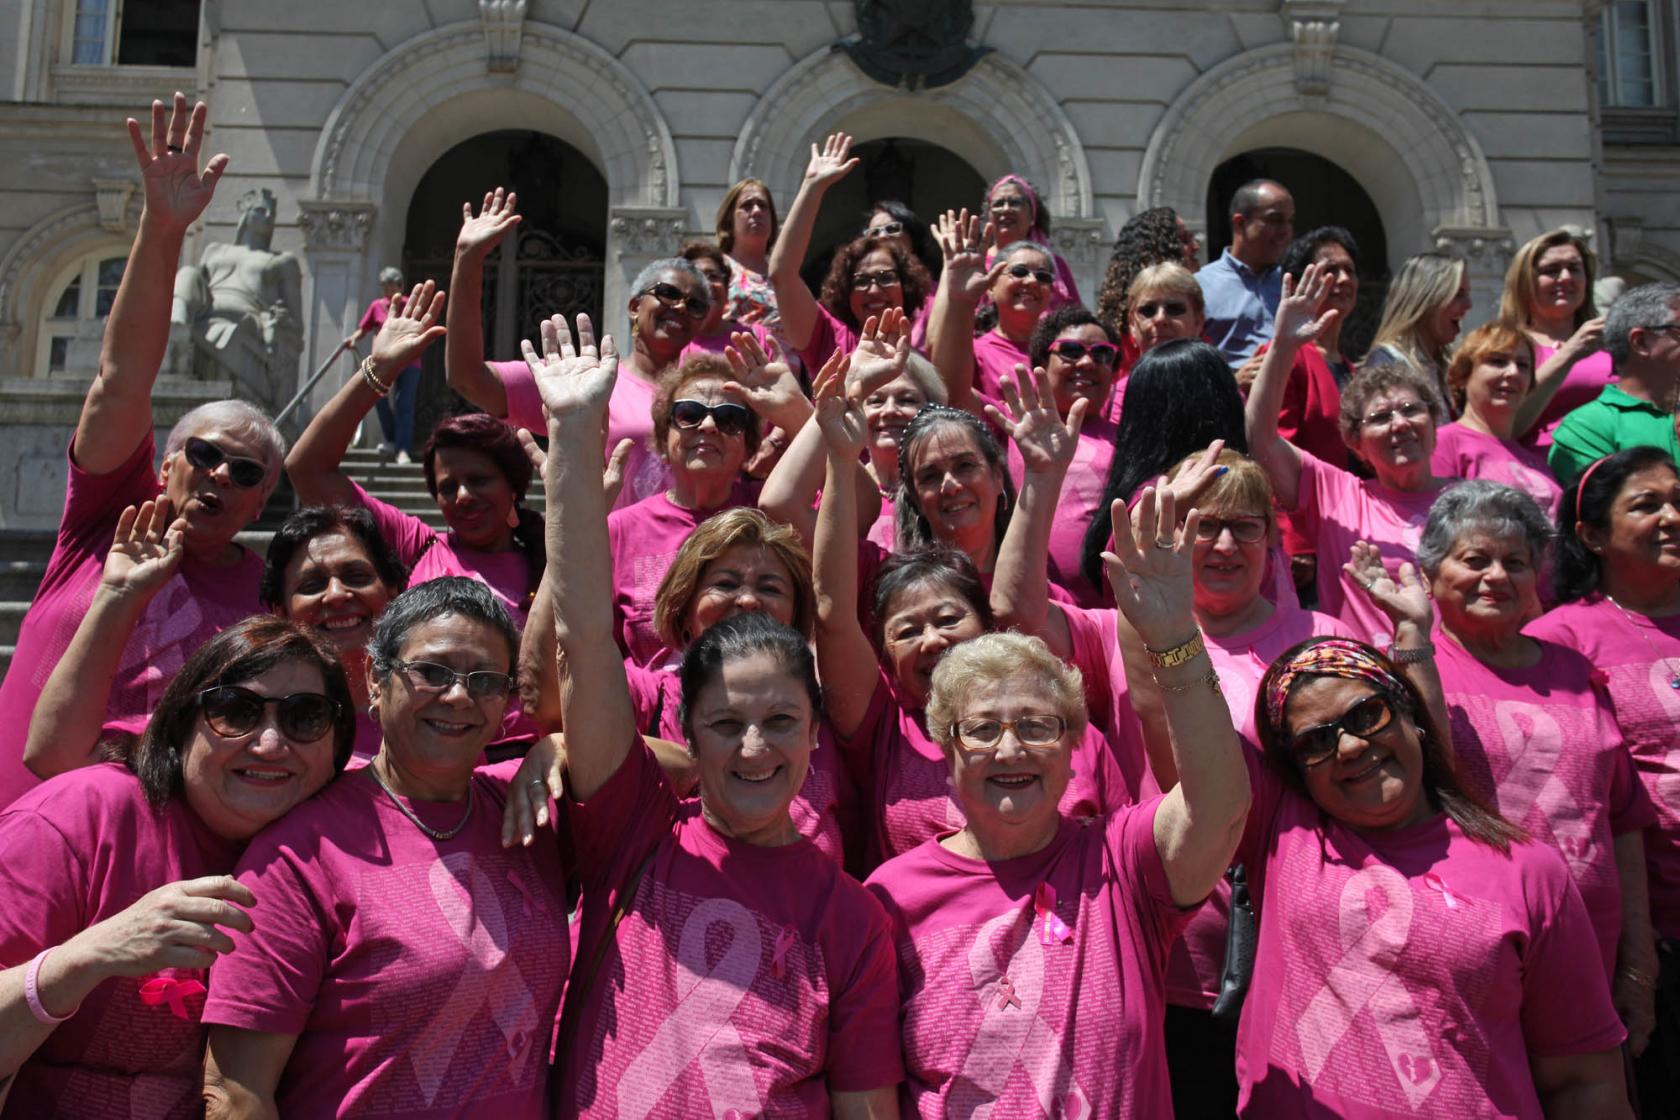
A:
(1177, 655)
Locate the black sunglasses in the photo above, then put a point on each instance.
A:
(247, 474)
(731, 419)
(1175, 309)
(432, 677)
(672, 296)
(1369, 717)
(1072, 350)
(233, 711)
(1021, 272)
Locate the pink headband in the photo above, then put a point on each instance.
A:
(1582, 485)
(1333, 657)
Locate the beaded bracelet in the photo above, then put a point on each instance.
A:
(374, 383)
(32, 993)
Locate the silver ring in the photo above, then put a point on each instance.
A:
(1163, 544)
(539, 782)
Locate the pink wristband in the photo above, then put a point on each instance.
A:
(32, 994)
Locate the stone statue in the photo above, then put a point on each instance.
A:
(241, 305)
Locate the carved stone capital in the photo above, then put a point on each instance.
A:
(1080, 241)
(335, 226)
(112, 196)
(1477, 247)
(503, 22)
(1313, 27)
(650, 231)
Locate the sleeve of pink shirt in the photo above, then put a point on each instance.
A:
(43, 884)
(524, 403)
(858, 748)
(1630, 808)
(410, 537)
(1131, 844)
(93, 500)
(613, 831)
(271, 982)
(1324, 490)
(828, 334)
(647, 697)
(1565, 1009)
(863, 1028)
(374, 316)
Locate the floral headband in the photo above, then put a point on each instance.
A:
(1333, 657)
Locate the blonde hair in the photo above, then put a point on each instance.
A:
(741, 527)
(1517, 301)
(1243, 486)
(1425, 283)
(1497, 337)
(1168, 276)
(992, 658)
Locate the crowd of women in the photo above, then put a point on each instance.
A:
(922, 696)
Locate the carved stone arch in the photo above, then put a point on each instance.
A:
(1407, 147)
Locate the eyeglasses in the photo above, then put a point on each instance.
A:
(247, 474)
(731, 419)
(1021, 272)
(302, 717)
(1009, 202)
(1365, 720)
(1173, 308)
(1245, 530)
(429, 676)
(1411, 410)
(886, 229)
(983, 735)
(1072, 350)
(672, 296)
(885, 278)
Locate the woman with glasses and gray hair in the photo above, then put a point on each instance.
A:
(115, 886)
(397, 943)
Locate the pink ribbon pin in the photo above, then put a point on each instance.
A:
(1006, 994)
(778, 956)
(1439, 885)
(168, 990)
(1053, 928)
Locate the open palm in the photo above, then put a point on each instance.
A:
(964, 242)
(1401, 595)
(830, 163)
(845, 431)
(483, 232)
(146, 549)
(882, 352)
(176, 191)
(576, 382)
(1152, 580)
(411, 326)
(1047, 443)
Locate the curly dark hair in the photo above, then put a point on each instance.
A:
(837, 286)
(1051, 327)
(1147, 238)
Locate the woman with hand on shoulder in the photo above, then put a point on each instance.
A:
(799, 1013)
(1549, 295)
(1491, 383)
(115, 887)
(1421, 316)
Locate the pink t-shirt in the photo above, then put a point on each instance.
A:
(1032, 987)
(743, 980)
(828, 335)
(195, 604)
(715, 343)
(1462, 452)
(1639, 658)
(629, 416)
(1541, 745)
(906, 781)
(1581, 385)
(995, 358)
(1081, 496)
(1409, 972)
(1336, 509)
(885, 530)
(644, 539)
(656, 695)
(74, 851)
(422, 977)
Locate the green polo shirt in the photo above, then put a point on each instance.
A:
(1614, 421)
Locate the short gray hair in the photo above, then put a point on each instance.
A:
(469, 598)
(649, 275)
(390, 274)
(234, 414)
(1488, 507)
(1038, 247)
(1648, 306)
(994, 658)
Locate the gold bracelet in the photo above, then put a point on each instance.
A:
(374, 383)
(1177, 655)
(1210, 678)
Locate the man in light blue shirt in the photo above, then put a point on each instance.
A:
(1241, 289)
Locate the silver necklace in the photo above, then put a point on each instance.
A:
(447, 834)
(1673, 674)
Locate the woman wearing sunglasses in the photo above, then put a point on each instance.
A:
(397, 944)
(866, 277)
(115, 895)
(1014, 210)
(1034, 947)
(1418, 954)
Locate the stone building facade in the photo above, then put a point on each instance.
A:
(1468, 125)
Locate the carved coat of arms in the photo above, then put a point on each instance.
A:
(914, 43)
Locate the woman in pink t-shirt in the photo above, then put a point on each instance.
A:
(114, 878)
(1014, 209)
(402, 962)
(723, 963)
(1491, 382)
(1418, 954)
(1034, 947)
(1389, 417)
(1549, 295)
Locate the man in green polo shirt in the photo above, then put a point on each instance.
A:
(1642, 333)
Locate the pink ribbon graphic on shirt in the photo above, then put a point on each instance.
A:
(1051, 927)
(1375, 923)
(172, 992)
(698, 1027)
(1661, 678)
(489, 977)
(1011, 1032)
(1534, 744)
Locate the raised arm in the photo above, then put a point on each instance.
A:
(1404, 598)
(1550, 376)
(463, 352)
(117, 413)
(1298, 323)
(64, 732)
(313, 463)
(1200, 821)
(576, 385)
(794, 301)
(1021, 579)
(964, 280)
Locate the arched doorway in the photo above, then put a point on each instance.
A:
(1325, 195)
(552, 262)
(925, 177)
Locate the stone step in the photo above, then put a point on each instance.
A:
(11, 617)
(20, 578)
(5, 660)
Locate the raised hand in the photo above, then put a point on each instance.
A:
(1046, 442)
(1402, 596)
(176, 190)
(483, 233)
(576, 383)
(1587, 339)
(146, 550)
(1193, 481)
(964, 243)
(174, 926)
(765, 383)
(882, 352)
(411, 327)
(830, 163)
(1298, 321)
(1151, 582)
(845, 431)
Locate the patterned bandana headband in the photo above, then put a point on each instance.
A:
(1333, 657)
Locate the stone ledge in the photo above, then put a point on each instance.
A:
(58, 401)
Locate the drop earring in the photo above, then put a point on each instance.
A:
(513, 517)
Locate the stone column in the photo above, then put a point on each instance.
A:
(336, 272)
(636, 235)
(1486, 253)
(1086, 246)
